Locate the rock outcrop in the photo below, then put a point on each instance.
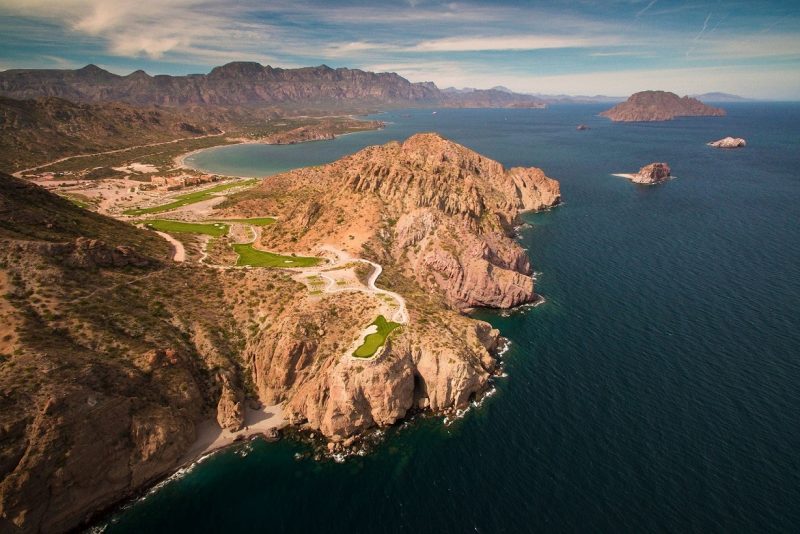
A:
(648, 106)
(652, 174)
(729, 142)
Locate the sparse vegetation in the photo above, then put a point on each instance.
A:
(191, 198)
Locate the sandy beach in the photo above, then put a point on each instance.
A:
(211, 437)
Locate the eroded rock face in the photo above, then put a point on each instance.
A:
(652, 174)
(729, 142)
(341, 395)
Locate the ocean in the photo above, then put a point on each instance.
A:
(656, 389)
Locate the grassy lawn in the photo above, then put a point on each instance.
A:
(258, 258)
(255, 221)
(212, 229)
(190, 198)
(376, 340)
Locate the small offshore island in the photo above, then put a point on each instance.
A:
(653, 106)
(651, 174)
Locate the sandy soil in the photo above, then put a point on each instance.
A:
(210, 436)
(137, 167)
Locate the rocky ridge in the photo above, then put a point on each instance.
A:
(249, 84)
(649, 106)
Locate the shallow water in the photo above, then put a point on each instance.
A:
(657, 389)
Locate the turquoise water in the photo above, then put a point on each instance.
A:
(657, 389)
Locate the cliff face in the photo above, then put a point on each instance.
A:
(244, 83)
(659, 106)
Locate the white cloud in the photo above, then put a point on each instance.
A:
(511, 42)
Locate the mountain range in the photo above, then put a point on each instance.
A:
(248, 83)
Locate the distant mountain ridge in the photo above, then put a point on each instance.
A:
(248, 83)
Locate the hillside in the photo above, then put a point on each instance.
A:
(46, 128)
(113, 357)
(649, 106)
(248, 84)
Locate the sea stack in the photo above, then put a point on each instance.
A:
(728, 142)
(654, 173)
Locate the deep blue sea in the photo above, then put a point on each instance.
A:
(656, 390)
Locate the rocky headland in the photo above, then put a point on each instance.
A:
(728, 142)
(120, 356)
(649, 106)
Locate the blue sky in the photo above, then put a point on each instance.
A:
(576, 47)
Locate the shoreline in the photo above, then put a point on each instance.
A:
(210, 437)
(180, 160)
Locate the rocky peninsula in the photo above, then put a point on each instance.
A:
(125, 357)
(649, 106)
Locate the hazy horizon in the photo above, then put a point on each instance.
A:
(599, 48)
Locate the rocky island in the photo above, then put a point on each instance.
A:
(649, 106)
(651, 174)
(728, 142)
(103, 396)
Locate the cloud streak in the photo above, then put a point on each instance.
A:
(455, 43)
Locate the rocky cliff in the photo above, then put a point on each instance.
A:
(250, 84)
(659, 106)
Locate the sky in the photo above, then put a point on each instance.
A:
(584, 47)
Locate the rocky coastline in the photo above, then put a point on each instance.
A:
(439, 219)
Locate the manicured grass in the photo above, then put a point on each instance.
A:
(255, 221)
(212, 229)
(376, 340)
(259, 258)
(190, 198)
